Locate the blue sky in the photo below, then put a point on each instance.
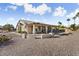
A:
(49, 13)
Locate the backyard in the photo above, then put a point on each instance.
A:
(60, 46)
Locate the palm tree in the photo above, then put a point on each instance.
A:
(60, 23)
(68, 20)
(77, 15)
(74, 18)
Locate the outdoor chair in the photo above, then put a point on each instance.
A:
(41, 36)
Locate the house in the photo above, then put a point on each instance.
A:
(33, 27)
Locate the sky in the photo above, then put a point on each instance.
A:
(49, 13)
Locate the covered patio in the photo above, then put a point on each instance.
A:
(34, 27)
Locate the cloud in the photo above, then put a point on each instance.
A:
(60, 11)
(11, 7)
(29, 8)
(72, 14)
(18, 4)
(77, 3)
(11, 20)
(0, 8)
(42, 9)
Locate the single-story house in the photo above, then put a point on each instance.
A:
(33, 27)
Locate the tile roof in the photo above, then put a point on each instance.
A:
(32, 22)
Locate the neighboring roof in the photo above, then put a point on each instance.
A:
(31, 22)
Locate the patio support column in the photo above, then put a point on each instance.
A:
(27, 29)
(51, 28)
(41, 29)
(33, 29)
(46, 29)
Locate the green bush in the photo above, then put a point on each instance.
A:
(74, 27)
(4, 38)
(22, 32)
(8, 27)
(19, 31)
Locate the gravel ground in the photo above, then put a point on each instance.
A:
(62, 46)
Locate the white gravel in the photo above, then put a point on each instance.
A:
(62, 46)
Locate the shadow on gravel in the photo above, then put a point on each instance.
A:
(64, 34)
(11, 42)
(56, 37)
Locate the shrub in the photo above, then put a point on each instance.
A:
(22, 32)
(4, 38)
(8, 27)
(74, 27)
(19, 31)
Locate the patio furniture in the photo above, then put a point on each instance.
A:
(41, 36)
